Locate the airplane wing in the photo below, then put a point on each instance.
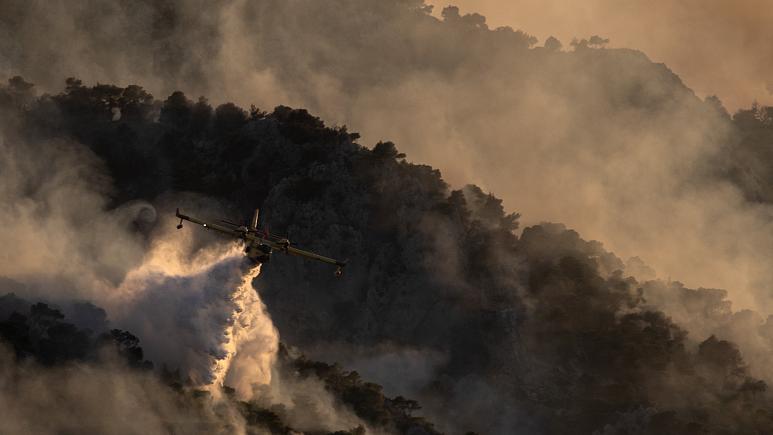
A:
(210, 226)
(300, 252)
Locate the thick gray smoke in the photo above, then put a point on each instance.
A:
(490, 327)
(68, 246)
(477, 103)
(191, 302)
(201, 322)
(94, 399)
(717, 47)
(54, 196)
(604, 140)
(62, 244)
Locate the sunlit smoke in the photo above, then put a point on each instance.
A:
(251, 342)
(200, 313)
(613, 181)
(731, 31)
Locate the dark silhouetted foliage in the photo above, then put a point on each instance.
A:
(43, 336)
(431, 268)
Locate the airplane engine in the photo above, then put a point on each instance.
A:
(258, 253)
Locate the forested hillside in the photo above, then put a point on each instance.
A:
(477, 299)
(542, 331)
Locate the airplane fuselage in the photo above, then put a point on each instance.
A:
(258, 253)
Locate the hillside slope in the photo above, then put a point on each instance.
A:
(442, 301)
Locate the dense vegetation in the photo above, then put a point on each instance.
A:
(548, 324)
(40, 335)
(747, 156)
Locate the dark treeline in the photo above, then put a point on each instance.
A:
(545, 331)
(746, 159)
(541, 332)
(40, 335)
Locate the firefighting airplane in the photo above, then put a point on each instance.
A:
(260, 244)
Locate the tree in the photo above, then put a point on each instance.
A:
(597, 41)
(229, 118)
(387, 150)
(450, 14)
(128, 347)
(406, 406)
(176, 111)
(18, 84)
(553, 44)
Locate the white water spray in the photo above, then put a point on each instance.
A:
(251, 343)
(199, 314)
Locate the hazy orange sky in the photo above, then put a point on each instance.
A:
(721, 47)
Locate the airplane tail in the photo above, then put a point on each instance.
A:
(254, 225)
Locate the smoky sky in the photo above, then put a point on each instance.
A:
(608, 141)
(719, 47)
(443, 301)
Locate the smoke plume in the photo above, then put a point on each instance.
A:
(602, 139)
(716, 47)
(500, 322)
